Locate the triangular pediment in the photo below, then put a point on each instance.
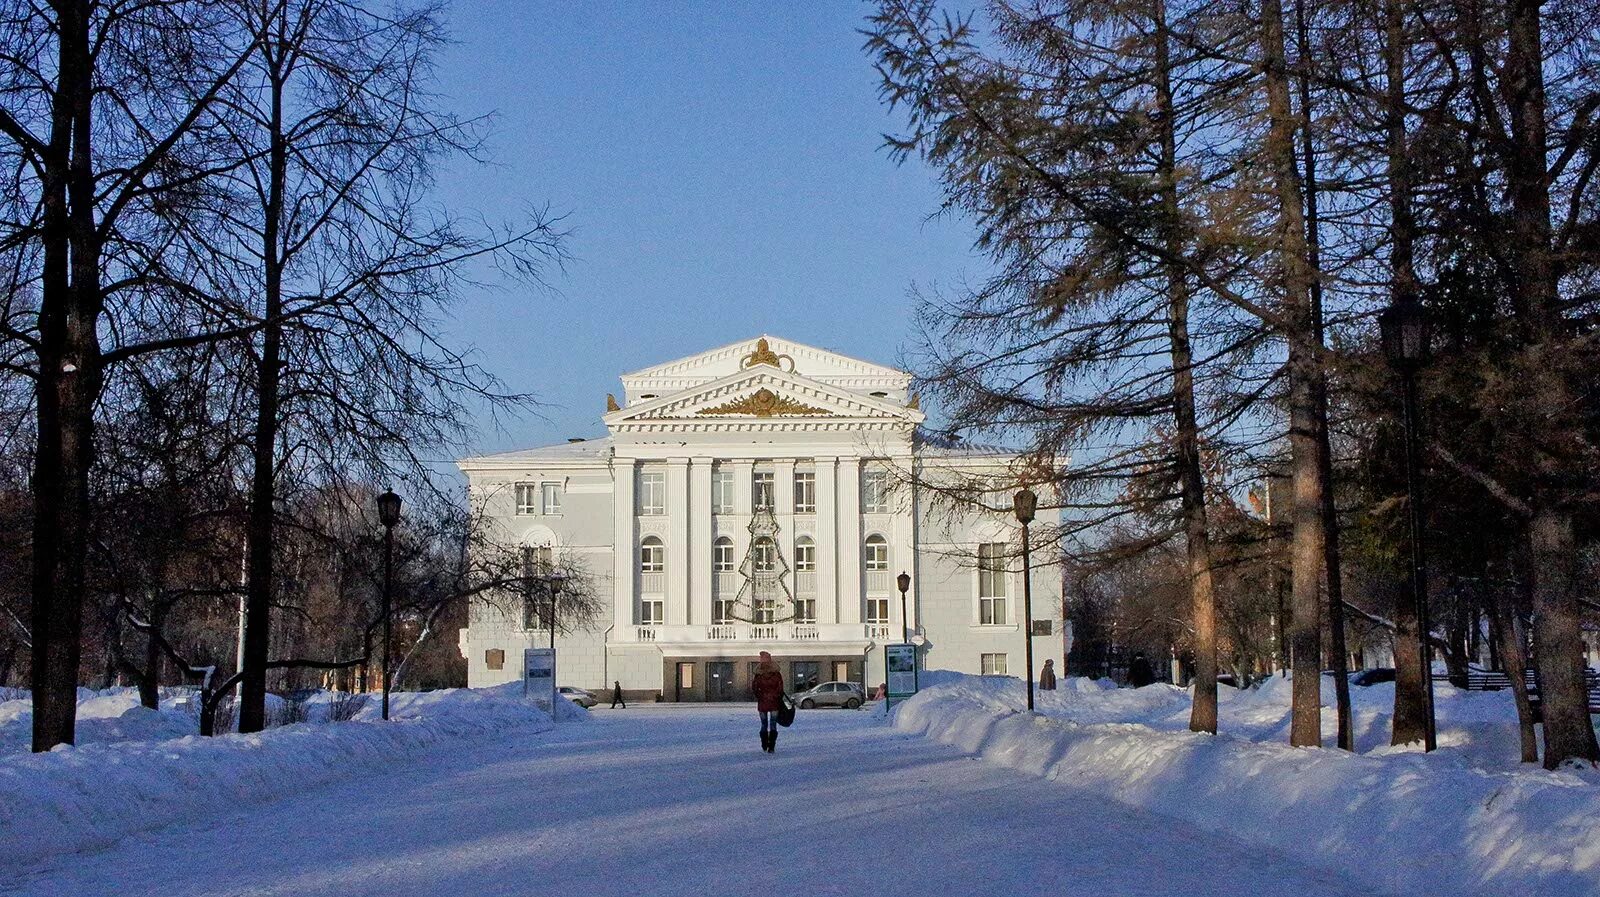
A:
(763, 392)
(821, 365)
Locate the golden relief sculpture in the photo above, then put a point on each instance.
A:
(611, 403)
(764, 355)
(916, 402)
(766, 403)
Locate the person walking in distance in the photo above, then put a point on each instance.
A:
(768, 686)
(1047, 676)
(616, 695)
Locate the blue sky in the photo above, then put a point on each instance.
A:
(721, 170)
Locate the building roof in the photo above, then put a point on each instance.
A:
(598, 449)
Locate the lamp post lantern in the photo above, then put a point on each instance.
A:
(903, 581)
(388, 515)
(1024, 504)
(1406, 336)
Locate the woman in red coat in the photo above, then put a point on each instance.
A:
(768, 686)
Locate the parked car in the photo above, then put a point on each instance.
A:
(831, 694)
(580, 696)
(1372, 676)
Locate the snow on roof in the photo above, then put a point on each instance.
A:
(596, 449)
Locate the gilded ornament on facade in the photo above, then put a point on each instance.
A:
(765, 403)
(916, 402)
(611, 403)
(764, 355)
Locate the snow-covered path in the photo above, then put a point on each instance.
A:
(679, 800)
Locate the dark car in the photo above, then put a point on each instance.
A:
(1372, 676)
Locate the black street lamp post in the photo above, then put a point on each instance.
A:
(903, 581)
(1406, 337)
(1024, 504)
(555, 580)
(389, 515)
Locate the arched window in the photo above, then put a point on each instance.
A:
(764, 555)
(722, 555)
(805, 555)
(877, 554)
(652, 555)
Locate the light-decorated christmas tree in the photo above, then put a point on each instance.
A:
(764, 596)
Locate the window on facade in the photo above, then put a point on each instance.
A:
(527, 499)
(877, 554)
(652, 612)
(877, 610)
(875, 492)
(722, 555)
(550, 493)
(762, 492)
(652, 493)
(805, 555)
(992, 579)
(805, 492)
(992, 664)
(721, 491)
(764, 555)
(722, 610)
(805, 610)
(652, 556)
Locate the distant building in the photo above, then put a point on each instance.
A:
(761, 496)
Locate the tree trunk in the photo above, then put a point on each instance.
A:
(150, 674)
(1512, 639)
(1558, 642)
(1337, 651)
(1304, 374)
(1203, 713)
(263, 482)
(69, 384)
(1558, 633)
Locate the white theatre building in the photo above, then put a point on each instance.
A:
(762, 496)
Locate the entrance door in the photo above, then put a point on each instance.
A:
(685, 680)
(719, 680)
(805, 673)
(841, 671)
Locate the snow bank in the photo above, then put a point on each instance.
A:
(90, 796)
(1396, 820)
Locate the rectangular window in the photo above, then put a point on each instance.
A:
(992, 664)
(551, 493)
(722, 611)
(652, 493)
(805, 674)
(721, 491)
(762, 492)
(527, 499)
(652, 612)
(805, 557)
(805, 610)
(875, 492)
(805, 492)
(722, 556)
(877, 610)
(992, 578)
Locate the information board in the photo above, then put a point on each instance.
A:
(539, 677)
(902, 663)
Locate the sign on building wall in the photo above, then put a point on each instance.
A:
(539, 677)
(902, 664)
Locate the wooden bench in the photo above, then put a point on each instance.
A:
(1495, 680)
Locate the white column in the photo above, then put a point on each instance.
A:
(626, 552)
(678, 509)
(849, 539)
(827, 542)
(699, 542)
(783, 486)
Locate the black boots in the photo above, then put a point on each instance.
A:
(769, 741)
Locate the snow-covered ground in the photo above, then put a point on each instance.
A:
(1465, 820)
(136, 769)
(678, 800)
